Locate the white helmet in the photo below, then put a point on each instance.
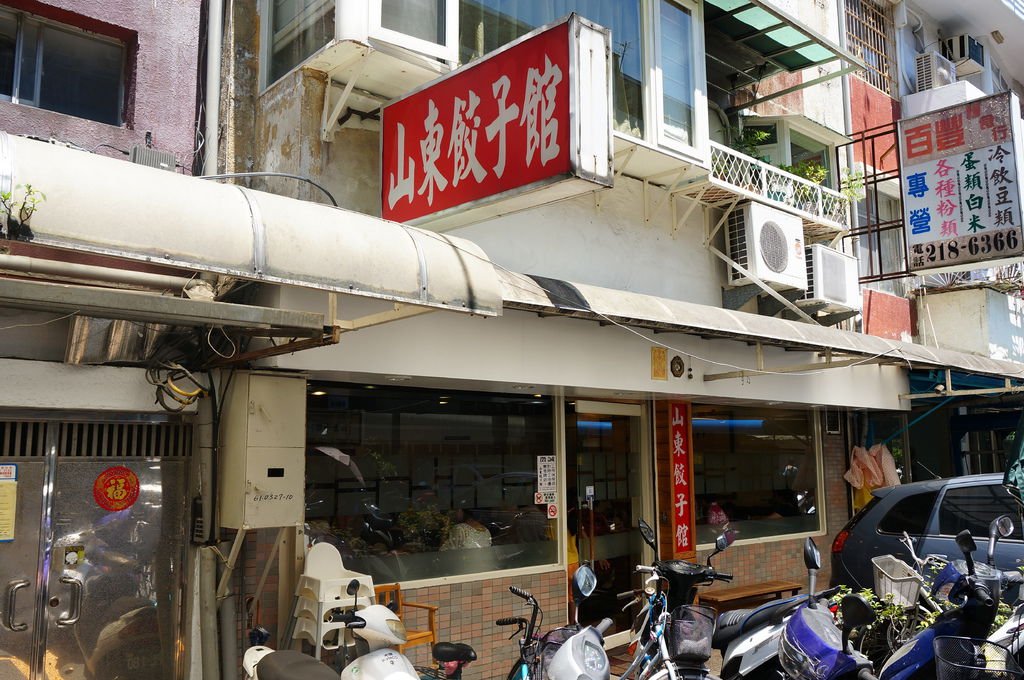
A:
(383, 627)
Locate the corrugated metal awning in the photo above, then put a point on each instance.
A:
(646, 311)
(110, 207)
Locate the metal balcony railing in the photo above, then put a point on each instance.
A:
(735, 175)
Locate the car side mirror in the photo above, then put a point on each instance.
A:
(967, 546)
(647, 531)
(1001, 527)
(856, 613)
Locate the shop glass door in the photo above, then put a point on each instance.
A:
(605, 461)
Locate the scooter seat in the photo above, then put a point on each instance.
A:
(453, 651)
(734, 623)
(286, 664)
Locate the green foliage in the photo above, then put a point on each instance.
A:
(810, 169)
(747, 140)
(22, 202)
(852, 185)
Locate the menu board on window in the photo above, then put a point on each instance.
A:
(961, 191)
(683, 532)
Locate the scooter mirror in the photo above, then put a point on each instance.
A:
(1001, 527)
(856, 613)
(812, 556)
(353, 587)
(584, 582)
(647, 531)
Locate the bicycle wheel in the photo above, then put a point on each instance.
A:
(520, 671)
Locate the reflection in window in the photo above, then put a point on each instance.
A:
(974, 507)
(486, 25)
(413, 484)
(61, 69)
(298, 29)
(423, 19)
(803, 149)
(755, 469)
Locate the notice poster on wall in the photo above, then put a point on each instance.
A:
(961, 190)
(8, 501)
(682, 477)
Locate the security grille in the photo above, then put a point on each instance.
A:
(27, 439)
(871, 35)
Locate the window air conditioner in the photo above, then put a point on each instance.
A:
(966, 52)
(832, 279)
(934, 70)
(767, 242)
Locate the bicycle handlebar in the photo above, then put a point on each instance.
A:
(519, 592)
(511, 621)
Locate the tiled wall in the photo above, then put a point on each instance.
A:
(469, 610)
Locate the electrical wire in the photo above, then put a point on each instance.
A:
(287, 175)
(40, 323)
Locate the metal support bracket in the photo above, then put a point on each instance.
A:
(764, 286)
(771, 307)
(330, 115)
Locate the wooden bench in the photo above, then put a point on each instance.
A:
(391, 594)
(738, 597)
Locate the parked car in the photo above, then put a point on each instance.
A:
(932, 512)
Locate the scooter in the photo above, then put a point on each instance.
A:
(812, 648)
(371, 632)
(973, 618)
(749, 638)
(571, 652)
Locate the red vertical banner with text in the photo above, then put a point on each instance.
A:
(683, 531)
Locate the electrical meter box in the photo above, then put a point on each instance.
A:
(262, 451)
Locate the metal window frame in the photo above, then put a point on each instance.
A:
(871, 30)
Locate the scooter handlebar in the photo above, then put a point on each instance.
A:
(982, 594)
(511, 621)
(866, 674)
(721, 576)
(603, 626)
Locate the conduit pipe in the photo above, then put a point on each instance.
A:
(86, 272)
(211, 103)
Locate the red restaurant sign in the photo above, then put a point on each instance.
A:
(682, 476)
(513, 122)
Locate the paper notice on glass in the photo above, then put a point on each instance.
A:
(8, 507)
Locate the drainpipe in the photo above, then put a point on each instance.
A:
(208, 612)
(211, 108)
(847, 108)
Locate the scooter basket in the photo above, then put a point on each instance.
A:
(551, 643)
(959, 658)
(689, 633)
(893, 575)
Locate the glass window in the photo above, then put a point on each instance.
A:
(413, 484)
(803, 149)
(974, 507)
(423, 19)
(677, 72)
(756, 469)
(61, 69)
(909, 514)
(486, 25)
(298, 29)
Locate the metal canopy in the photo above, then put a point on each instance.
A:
(661, 314)
(748, 40)
(109, 207)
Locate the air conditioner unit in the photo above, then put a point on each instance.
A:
(934, 70)
(832, 279)
(767, 242)
(966, 52)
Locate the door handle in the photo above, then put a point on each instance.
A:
(12, 595)
(76, 601)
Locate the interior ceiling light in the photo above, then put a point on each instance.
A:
(524, 388)
(537, 396)
(398, 378)
(998, 37)
(318, 393)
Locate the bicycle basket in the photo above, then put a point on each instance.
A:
(551, 643)
(958, 658)
(893, 575)
(689, 633)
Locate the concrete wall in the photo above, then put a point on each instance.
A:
(976, 320)
(162, 44)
